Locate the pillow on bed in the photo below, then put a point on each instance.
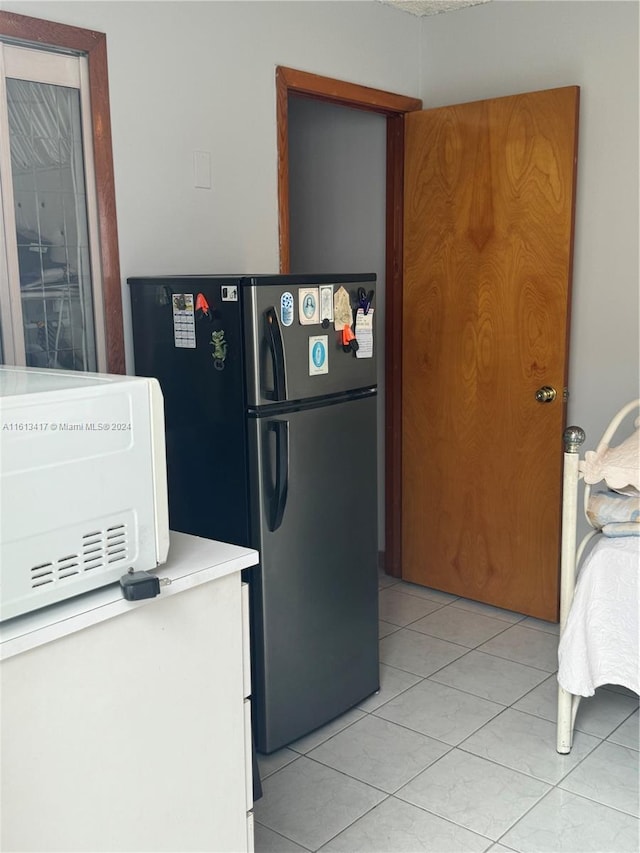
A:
(622, 528)
(613, 513)
(618, 466)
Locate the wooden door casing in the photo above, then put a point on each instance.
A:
(290, 81)
(488, 223)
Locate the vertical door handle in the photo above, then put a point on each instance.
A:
(276, 347)
(278, 499)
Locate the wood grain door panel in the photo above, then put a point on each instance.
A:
(488, 218)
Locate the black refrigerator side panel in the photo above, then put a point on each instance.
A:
(315, 598)
(203, 394)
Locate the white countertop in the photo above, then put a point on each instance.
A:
(192, 561)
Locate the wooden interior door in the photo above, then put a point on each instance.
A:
(488, 224)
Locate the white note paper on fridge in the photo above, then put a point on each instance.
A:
(364, 333)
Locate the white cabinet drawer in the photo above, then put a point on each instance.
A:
(248, 754)
(250, 837)
(246, 650)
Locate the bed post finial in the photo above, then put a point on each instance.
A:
(573, 437)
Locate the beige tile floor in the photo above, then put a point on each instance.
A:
(457, 751)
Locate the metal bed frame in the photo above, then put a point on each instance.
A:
(574, 437)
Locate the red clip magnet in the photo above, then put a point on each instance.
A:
(202, 304)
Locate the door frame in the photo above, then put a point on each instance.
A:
(30, 32)
(292, 82)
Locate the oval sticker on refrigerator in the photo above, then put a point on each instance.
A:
(286, 309)
(318, 355)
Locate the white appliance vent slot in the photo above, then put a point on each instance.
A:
(42, 574)
(99, 549)
(116, 543)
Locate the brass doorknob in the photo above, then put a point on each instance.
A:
(546, 394)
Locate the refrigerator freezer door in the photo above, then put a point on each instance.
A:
(314, 595)
(281, 361)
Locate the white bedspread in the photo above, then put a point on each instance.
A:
(600, 641)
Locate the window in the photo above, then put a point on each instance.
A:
(60, 302)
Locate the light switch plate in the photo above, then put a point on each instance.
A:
(202, 170)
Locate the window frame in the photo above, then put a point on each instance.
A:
(35, 32)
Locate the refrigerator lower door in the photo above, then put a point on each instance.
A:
(314, 595)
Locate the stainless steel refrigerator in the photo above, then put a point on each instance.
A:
(271, 443)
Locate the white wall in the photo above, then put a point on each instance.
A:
(189, 76)
(505, 47)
